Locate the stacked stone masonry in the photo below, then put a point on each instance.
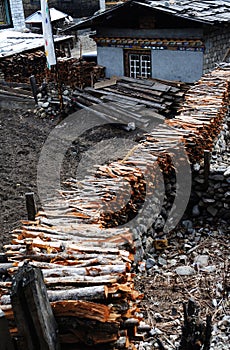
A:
(213, 197)
(217, 42)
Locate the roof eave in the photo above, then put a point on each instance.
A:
(88, 23)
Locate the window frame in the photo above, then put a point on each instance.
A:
(128, 61)
(8, 16)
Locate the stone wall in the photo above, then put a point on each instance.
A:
(212, 197)
(216, 44)
(17, 13)
(75, 8)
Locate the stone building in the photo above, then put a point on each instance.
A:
(174, 40)
(74, 8)
(12, 14)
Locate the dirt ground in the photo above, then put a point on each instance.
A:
(21, 140)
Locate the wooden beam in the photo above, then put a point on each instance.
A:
(30, 206)
(32, 311)
(6, 340)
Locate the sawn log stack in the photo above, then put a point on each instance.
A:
(85, 247)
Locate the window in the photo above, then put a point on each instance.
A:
(5, 16)
(138, 64)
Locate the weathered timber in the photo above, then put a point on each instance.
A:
(195, 334)
(30, 206)
(32, 311)
(6, 342)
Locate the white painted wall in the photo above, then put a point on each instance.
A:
(177, 65)
(113, 59)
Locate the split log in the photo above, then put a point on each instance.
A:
(88, 332)
(83, 309)
(86, 293)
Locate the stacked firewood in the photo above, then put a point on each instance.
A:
(90, 285)
(71, 71)
(19, 67)
(74, 73)
(206, 104)
(87, 238)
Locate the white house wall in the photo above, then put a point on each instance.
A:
(177, 65)
(113, 59)
(17, 13)
(166, 64)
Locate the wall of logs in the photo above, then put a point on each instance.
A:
(87, 258)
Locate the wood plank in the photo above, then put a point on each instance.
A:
(32, 310)
(5, 337)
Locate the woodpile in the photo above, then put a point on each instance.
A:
(75, 73)
(90, 286)
(162, 97)
(78, 241)
(201, 117)
(19, 67)
(72, 72)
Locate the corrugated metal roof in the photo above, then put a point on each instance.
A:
(36, 17)
(12, 42)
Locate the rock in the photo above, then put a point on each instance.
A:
(183, 259)
(155, 331)
(227, 195)
(150, 262)
(208, 200)
(187, 246)
(160, 222)
(199, 180)
(195, 211)
(172, 262)
(196, 166)
(217, 177)
(45, 104)
(227, 172)
(209, 269)
(149, 244)
(162, 261)
(185, 270)
(187, 224)
(211, 210)
(43, 115)
(201, 260)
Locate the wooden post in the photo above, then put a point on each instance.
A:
(59, 86)
(34, 88)
(32, 311)
(30, 206)
(207, 158)
(195, 334)
(5, 337)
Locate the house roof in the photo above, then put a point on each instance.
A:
(209, 12)
(212, 11)
(12, 42)
(36, 17)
